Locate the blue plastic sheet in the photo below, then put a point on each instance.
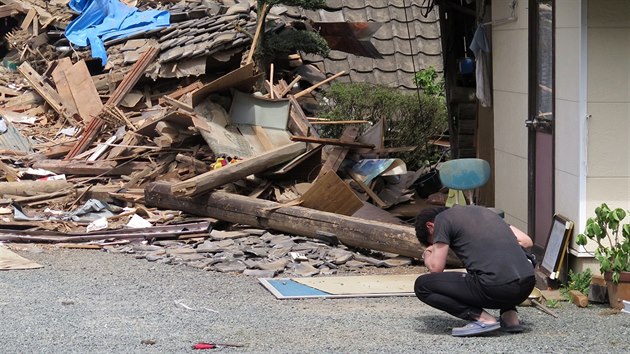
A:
(103, 20)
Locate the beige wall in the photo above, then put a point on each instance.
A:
(509, 45)
(608, 173)
(570, 119)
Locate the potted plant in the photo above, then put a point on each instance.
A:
(612, 237)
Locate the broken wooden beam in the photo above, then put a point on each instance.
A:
(329, 141)
(96, 168)
(29, 188)
(351, 231)
(234, 172)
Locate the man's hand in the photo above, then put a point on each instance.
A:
(435, 257)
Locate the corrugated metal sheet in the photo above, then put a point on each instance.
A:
(12, 139)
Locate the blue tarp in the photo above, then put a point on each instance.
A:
(103, 20)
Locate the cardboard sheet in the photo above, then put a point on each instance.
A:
(341, 286)
(10, 260)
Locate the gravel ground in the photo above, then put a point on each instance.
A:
(86, 301)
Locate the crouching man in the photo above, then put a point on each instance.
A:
(499, 274)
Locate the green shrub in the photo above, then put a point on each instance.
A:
(580, 281)
(411, 119)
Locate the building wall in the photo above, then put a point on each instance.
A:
(509, 71)
(608, 107)
(608, 159)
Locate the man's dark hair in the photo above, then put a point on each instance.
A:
(426, 215)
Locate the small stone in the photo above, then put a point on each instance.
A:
(151, 257)
(148, 341)
(180, 250)
(145, 248)
(67, 302)
(397, 262)
(202, 264)
(259, 273)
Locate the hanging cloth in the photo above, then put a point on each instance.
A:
(481, 49)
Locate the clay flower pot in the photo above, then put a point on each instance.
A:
(618, 291)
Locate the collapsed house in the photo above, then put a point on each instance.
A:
(162, 142)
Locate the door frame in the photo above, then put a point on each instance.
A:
(533, 125)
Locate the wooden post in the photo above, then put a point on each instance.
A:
(351, 231)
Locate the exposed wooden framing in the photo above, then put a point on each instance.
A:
(95, 124)
(298, 123)
(316, 121)
(313, 87)
(234, 172)
(289, 86)
(259, 29)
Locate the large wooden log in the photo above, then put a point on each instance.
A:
(351, 231)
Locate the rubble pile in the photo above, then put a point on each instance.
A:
(125, 150)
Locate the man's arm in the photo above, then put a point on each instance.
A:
(435, 257)
(523, 239)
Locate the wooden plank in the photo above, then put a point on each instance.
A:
(298, 123)
(313, 87)
(368, 190)
(329, 141)
(338, 153)
(84, 93)
(97, 168)
(234, 172)
(28, 19)
(48, 93)
(330, 193)
(61, 81)
(8, 10)
(262, 136)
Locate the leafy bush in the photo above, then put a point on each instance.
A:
(580, 281)
(613, 248)
(430, 82)
(412, 119)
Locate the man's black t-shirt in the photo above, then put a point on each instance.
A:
(484, 242)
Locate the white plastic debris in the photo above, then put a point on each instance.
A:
(98, 224)
(137, 222)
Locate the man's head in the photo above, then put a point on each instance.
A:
(424, 224)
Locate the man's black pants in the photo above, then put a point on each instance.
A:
(463, 296)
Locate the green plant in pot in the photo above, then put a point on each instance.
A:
(612, 237)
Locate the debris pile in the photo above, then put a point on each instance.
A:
(127, 150)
